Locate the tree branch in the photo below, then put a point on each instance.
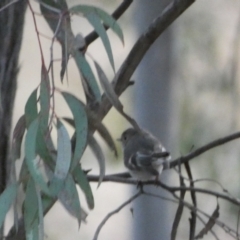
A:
(156, 28)
(204, 149)
(112, 178)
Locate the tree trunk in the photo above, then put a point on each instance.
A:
(11, 21)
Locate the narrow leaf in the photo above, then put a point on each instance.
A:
(6, 200)
(87, 73)
(31, 111)
(99, 155)
(63, 159)
(44, 99)
(60, 25)
(18, 133)
(30, 155)
(81, 123)
(24, 174)
(108, 89)
(105, 17)
(40, 215)
(63, 152)
(96, 23)
(30, 206)
(81, 179)
(70, 200)
(94, 122)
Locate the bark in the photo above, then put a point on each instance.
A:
(11, 21)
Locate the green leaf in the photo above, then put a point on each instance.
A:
(44, 99)
(87, 73)
(40, 215)
(51, 11)
(106, 18)
(30, 155)
(24, 174)
(30, 206)
(63, 159)
(81, 179)
(60, 24)
(107, 87)
(70, 200)
(96, 23)
(99, 155)
(81, 123)
(63, 152)
(44, 150)
(6, 200)
(31, 111)
(18, 133)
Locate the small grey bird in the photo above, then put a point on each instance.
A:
(144, 155)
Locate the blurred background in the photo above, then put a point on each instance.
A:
(186, 92)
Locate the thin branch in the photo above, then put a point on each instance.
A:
(204, 223)
(116, 14)
(179, 209)
(114, 212)
(111, 178)
(193, 219)
(204, 149)
(7, 5)
(225, 227)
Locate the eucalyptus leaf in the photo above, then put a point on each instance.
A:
(108, 89)
(44, 99)
(63, 152)
(18, 133)
(70, 200)
(63, 160)
(99, 155)
(30, 206)
(30, 155)
(31, 111)
(81, 123)
(96, 23)
(105, 17)
(81, 179)
(7, 198)
(85, 69)
(60, 24)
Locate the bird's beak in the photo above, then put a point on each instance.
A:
(119, 139)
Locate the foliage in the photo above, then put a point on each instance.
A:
(50, 173)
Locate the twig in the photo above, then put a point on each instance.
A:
(226, 228)
(204, 223)
(192, 220)
(179, 209)
(7, 5)
(114, 212)
(204, 149)
(238, 223)
(116, 14)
